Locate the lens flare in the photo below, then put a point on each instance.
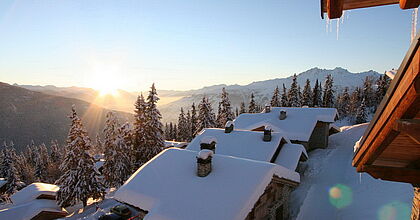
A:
(340, 196)
(394, 211)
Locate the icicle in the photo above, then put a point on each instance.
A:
(327, 24)
(360, 178)
(414, 24)
(338, 27)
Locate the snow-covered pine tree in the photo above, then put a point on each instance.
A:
(154, 142)
(219, 115)
(56, 157)
(276, 100)
(194, 121)
(97, 147)
(171, 131)
(139, 132)
(361, 113)
(242, 108)
(167, 131)
(175, 134)
(110, 132)
(368, 92)
(316, 95)
(11, 174)
(252, 105)
(206, 118)
(116, 170)
(41, 164)
(284, 98)
(182, 126)
(225, 113)
(79, 180)
(188, 133)
(382, 86)
(355, 101)
(343, 103)
(307, 94)
(328, 98)
(293, 94)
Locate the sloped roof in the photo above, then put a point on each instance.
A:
(168, 187)
(298, 125)
(240, 143)
(290, 155)
(32, 192)
(30, 209)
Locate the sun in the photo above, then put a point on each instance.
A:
(105, 80)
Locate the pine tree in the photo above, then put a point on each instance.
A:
(355, 101)
(284, 98)
(317, 94)
(167, 131)
(110, 131)
(139, 132)
(194, 121)
(382, 86)
(361, 114)
(56, 157)
(10, 172)
(79, 180)
(183, 127)
(98, 147)
(343, 103)
(236, 112)
(252, 105)
(206, 118)
(153, 127)
(225, 110)
(188, 133)
(293, 94)
(368, 92)
(41, 164)
(116, 170)
(275, 100)
(171, 132)
(175, 133)
(219, 116)
(242, 108)
(307, 94)
(328, 98)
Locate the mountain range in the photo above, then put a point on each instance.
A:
(39, 113)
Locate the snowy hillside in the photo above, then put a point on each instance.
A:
(263, 90)
(332, 189)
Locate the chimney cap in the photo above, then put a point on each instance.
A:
(267, 105)
(204, 154)
(268, 128)
(229, 123)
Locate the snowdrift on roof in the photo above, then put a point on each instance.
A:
(32, 192)
(168, 187)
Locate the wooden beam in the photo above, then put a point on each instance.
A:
(405, 175)
(407, 4)
(410, 127)
(335, 8)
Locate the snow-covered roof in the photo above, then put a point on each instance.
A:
(33, 191)
(240, 143)
(169, 188)
(30, 209)
(290, 155)
(298, 124)
(175, 144)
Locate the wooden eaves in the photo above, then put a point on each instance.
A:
(390, 147)
(334, 8)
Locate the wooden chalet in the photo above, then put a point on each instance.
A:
(335, 8)
(390, 147)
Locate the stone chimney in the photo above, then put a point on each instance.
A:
(229, 126)
(204, 163)
(267, 108)
(267, 134)
(208, 143)
(282, 114)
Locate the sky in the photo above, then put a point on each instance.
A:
(188, 44)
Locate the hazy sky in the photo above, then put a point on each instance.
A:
(186, 44)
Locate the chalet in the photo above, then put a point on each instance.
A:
(390, 146)
(307, 126)
(215, 186)
(36, 201)
(251, 145)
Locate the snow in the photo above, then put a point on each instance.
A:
(204, 154)
(290, 155)
(207, 139)
(29, 210)
(33, 191)
(175, 144)
(168, 187)
(2, 182)
(298, 124)
(239, 143)
(331, 188)
(229, 123)
(391, 73)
